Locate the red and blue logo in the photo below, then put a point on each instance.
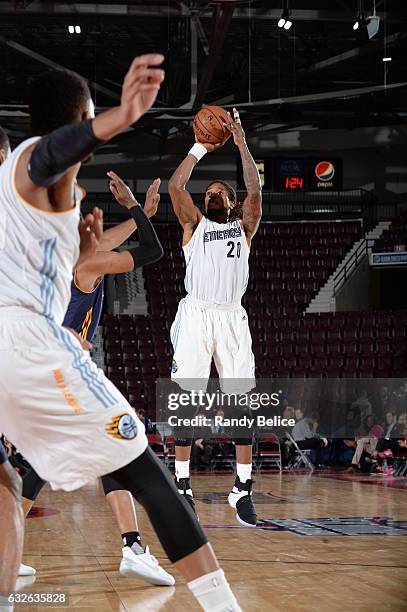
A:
(324, 171)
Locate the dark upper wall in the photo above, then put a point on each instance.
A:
(373, 158)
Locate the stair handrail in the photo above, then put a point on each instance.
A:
(348, 268)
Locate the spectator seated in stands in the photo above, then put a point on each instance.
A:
(362, 407)
(306, 437)
(365, 447)
(389, 428)
(202, 451)
(219, 429)
(402, 421)
(365, 426)
(281, 432)
(344, 439)
(149, 427)
(392, 445)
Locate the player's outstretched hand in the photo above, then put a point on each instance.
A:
(152, 198)
(91, 232)
(141, 86)
(121, 192)
(236, 129)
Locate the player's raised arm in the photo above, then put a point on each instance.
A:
(149, 251)
(184, 208)
(46, 162)
(115, 236)
(252, 202)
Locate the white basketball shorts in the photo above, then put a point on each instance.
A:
(202, 331)
(57, 407)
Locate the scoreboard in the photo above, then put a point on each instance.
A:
(297, 173)
(289, 174)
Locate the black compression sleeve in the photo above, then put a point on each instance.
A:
(171, 516)
(150, 249)
(59, 150)
(32, 485)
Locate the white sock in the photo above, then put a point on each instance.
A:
(214, 593)
(244, 471)
(181, 469)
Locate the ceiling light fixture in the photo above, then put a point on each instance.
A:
(373, 22)
(359, 16)
(285, 21)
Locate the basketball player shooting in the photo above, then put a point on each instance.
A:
(211, 322)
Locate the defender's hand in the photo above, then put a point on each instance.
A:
(121, 192)
(85, 344)
(141, 86)
(91, 232)
(236, 129)
(152, 198)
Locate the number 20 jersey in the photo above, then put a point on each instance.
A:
(217, 262)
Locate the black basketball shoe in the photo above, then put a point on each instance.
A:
(241, 498)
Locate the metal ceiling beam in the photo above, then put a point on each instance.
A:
(51, 64)
(370, 47)
(163, 10)
(88, 8)
(342, 94)
(201, 33)
(220, 26)
(194, 64)
(314, 15)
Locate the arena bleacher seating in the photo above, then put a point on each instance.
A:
(289, 264)
(395, 235)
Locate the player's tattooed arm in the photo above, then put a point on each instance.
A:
(252, 202)
(115, 236)
(186, 211)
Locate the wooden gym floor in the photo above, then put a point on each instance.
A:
(353, 558)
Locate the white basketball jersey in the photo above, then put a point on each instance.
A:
(217, 262)
(38, 249)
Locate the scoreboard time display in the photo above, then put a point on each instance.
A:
(291, 174)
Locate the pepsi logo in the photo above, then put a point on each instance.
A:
(324, 171)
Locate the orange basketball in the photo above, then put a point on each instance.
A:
(208, 125)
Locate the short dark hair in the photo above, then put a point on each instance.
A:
(55, 98)
(4, 139)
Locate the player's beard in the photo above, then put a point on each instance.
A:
(217, 211)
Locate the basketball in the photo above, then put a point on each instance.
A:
(208, 125)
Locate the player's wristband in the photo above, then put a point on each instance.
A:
(198, 151)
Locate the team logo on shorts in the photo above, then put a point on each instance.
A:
(174, 366)
(122, 426)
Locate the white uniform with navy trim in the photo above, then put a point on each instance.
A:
(57, 407)
(211, 322)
